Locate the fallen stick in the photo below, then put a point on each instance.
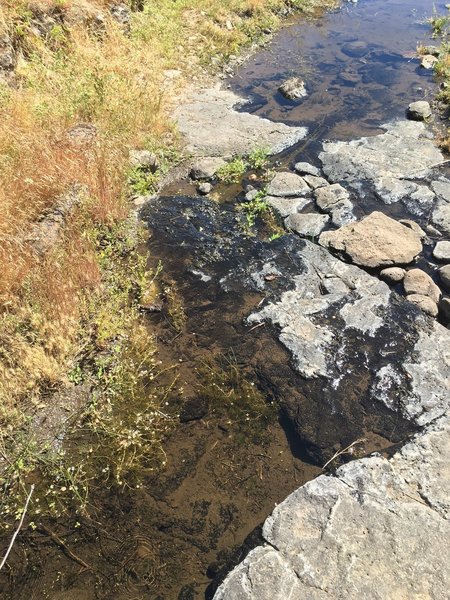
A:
(346, 450)
(13, 539)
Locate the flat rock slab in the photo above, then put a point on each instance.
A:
(286, 206)
(406, 150)
(307, 224)
(211, 126)
(377, 529)
(286, 184)
(375, 241)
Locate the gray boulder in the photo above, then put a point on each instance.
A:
(360, 533)
(307, 224)
(442, 189)
(286, 206)
(406, 150)
(304, 168)
(287, 184)
(211, 126)
(441, 217)
(335, 200)
(207, 167)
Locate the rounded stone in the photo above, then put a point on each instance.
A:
(442, 251)
(425, 303)
(444, 274)
(204, 188)
(392, 274)
(419, 111)
(417, 281)
(444, 310)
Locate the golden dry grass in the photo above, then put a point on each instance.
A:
(78, 71)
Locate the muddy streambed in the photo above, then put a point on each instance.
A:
(252, 429)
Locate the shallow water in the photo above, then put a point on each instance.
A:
(359, 65)
(169, 539)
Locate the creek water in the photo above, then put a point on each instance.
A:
(226, 468)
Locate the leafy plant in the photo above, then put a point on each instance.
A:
(233, 171)
(258, 158)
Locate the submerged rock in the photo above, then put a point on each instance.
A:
(293, 89)
(374, 241)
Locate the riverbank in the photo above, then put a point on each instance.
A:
(83, 86)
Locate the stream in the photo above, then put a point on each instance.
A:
(252, 427)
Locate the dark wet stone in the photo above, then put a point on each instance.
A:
(194, 409)
(355, 49)
(187, 593)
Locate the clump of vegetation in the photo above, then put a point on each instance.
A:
(234, 170)
(258, 159)
(256, 207)
(441, 28)
(231, 394)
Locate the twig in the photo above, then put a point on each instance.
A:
(347, 449)
(58, 541)
(13, 539)
(256, 326)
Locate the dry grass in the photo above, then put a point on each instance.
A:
(72, 69)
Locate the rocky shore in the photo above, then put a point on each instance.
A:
(355, 313)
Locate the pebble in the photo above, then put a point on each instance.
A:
(442, 251)
(393, 274)
(425, 303)
(204, 188)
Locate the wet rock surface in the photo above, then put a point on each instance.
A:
(371, 521)
(406, 150)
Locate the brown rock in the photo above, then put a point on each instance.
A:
(425, 303)
(393, 274)
(417, 281)
(374, 241)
